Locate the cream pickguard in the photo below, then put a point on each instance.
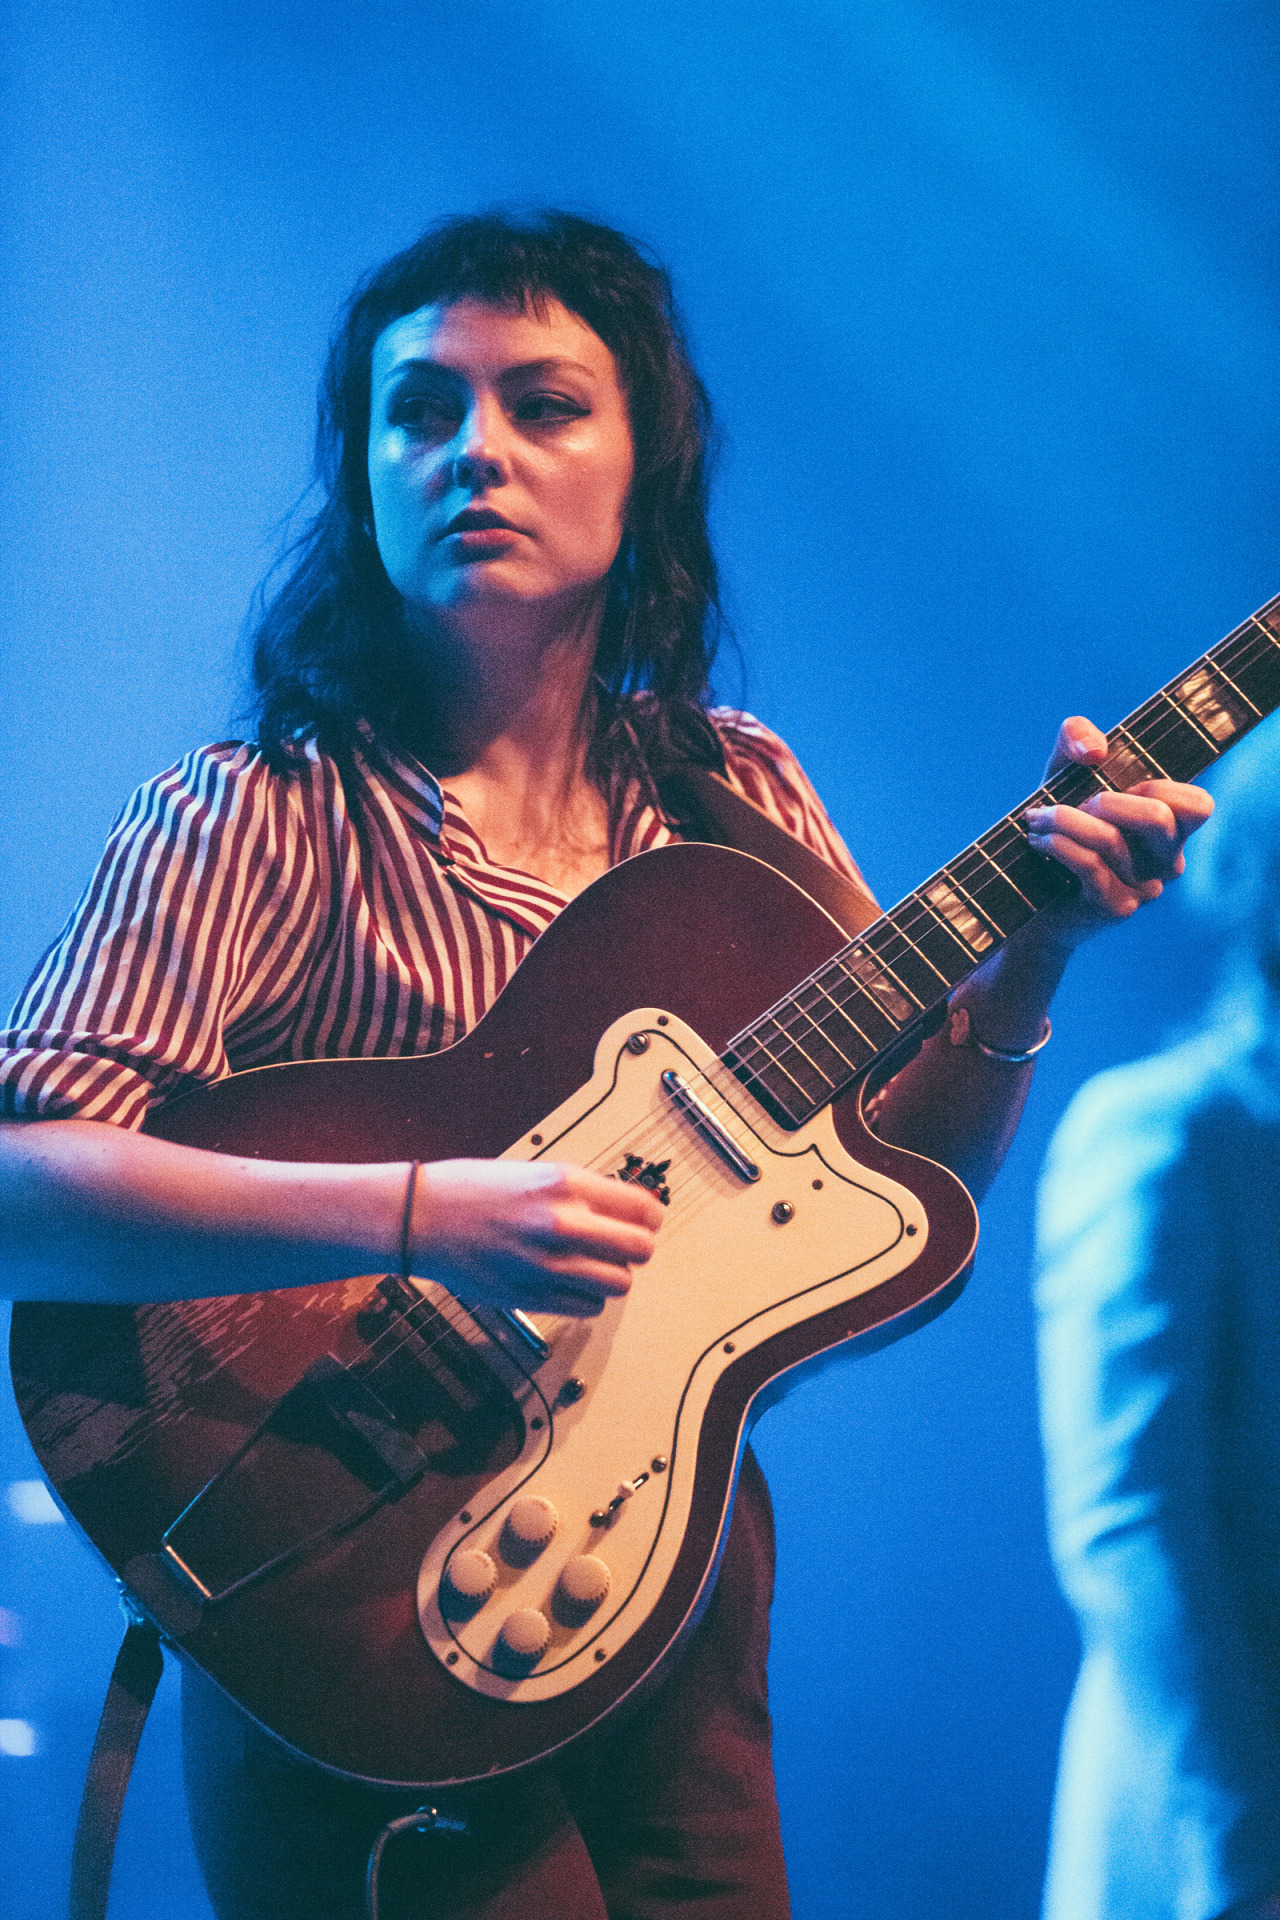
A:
(613, 1414)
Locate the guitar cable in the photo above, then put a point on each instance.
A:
(425, 1820)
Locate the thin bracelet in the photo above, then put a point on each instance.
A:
(406, 1224)
(964, 1034)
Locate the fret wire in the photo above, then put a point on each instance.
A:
(1185, 714)
(966, 895)
(885, 920)
(1143, 753)
(864, 1037)
(842, 979)
(819, 1028)
(995, 866)
(935, 917)
(1253, 630)
(1238, 691)
(1270, 638)
(899, 929)
(1251, 643)
(790, 1076)
(1162, 717)
(793, 1042)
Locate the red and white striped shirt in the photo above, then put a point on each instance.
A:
(241, 916)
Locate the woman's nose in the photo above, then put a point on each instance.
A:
(478, 461)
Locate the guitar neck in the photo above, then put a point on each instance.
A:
(858, 1006)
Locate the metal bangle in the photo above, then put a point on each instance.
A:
(964, 1034)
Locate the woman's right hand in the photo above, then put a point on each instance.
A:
(543, 1236)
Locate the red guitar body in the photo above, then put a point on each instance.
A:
(131, 1411)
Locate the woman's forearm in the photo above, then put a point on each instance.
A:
(92, 1212)
(98, 1213)
(953, 1102)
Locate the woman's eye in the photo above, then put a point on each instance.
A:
(424, 414)
(537, 409)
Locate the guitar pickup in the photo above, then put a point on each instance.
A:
(688, 1103)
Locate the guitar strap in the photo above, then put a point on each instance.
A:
(130, 1691)
(702, 806)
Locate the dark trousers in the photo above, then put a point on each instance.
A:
(673, 1813)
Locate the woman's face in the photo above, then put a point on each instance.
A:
(500, 457)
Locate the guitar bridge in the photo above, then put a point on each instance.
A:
(250, 1519)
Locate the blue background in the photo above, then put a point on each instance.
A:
(985, 294)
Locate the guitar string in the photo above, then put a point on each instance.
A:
(1156, 721)
(1250, 643)
(1250, 646)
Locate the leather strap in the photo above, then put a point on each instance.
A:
(705, 807)
(130, 1691)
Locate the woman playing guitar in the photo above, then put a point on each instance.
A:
(491, 644)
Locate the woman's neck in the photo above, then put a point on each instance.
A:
(510, 721)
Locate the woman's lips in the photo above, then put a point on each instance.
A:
(477, 523)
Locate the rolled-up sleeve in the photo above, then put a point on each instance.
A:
(204, 889)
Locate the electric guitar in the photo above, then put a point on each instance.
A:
(424, 1542)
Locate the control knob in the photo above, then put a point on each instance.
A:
(472, 1576)
(584, 1582)
(525, 1635)
(529, 1526)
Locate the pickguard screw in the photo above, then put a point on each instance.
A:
(572, 1391)
(451, 1659)
(535, 1139)
(536, 1423)
(911, 1230)
(465, 1518)
(638, 1043)
(658, 1464)
(601, 1654)
(817, 1186)
(783, 1211)
(662, 1020)
(729, 1346)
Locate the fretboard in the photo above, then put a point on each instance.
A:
(871, 994)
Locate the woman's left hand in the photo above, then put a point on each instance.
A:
(1122, 847)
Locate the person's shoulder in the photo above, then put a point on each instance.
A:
(1158, 1094)
(1135, 1127)
(741, 733)
(244, 765)
(222, 783)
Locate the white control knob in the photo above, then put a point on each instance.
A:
(472, 1575)
(584, 1582)
(526, 1634)
(531, 1522)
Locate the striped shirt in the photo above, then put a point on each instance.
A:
(241, 916)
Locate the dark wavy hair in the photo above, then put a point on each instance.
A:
(329, 642)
